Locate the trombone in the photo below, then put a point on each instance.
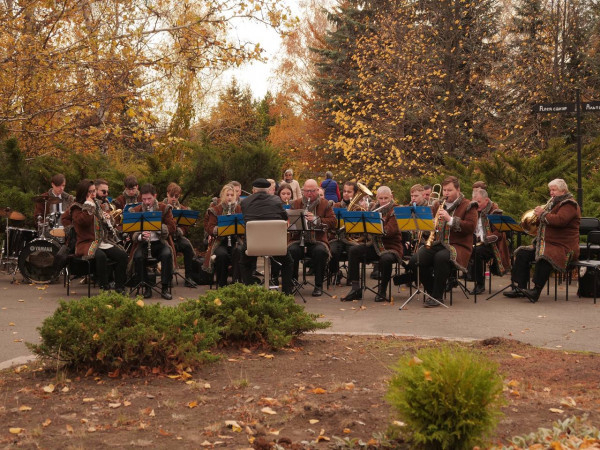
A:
(436, 194)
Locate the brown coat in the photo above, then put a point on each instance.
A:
(392, 237)
(210, 227)
(460, 239)
(557, 239)
(82, 219)
(325, 212)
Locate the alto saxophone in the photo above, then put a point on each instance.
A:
(431, 238)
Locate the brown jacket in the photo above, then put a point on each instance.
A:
(82, 219)
(459, 237)
(391, 241)
(328, 221)
(557, 239)
(501, 263)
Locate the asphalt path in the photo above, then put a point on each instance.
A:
(571, 325)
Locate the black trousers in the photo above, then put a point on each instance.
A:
(318, 254)
(520, 271)
(434, 266)
(358, 253)
(183, 245)
(481, 254)
(160, 251)
(281, 264)
(337, 249)
(224, 256)
(116, 254)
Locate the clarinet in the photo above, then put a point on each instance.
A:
(305, 222)
(229, 208)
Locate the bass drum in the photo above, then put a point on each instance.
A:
(37, 261)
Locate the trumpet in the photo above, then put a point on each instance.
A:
(431, 238)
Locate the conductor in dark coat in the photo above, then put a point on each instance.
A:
(263, 206)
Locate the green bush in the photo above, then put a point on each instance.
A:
(111, 331)
(448, 397)
(253, 314)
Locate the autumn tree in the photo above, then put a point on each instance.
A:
(95, 74)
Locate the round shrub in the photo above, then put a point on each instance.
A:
(111, 331)
(253, 314)
(448, 397)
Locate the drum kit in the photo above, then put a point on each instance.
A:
(33, 252)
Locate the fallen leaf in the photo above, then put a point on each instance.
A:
(91, 429)
(513, 383)
(414, 361)
(515, 356)
(193, 404)
(218, 302)
(114, 405)
(427, 375)
(556, 410)
(46, 423)
(568, 402)
(206, 386)
(347, 430)
(547, 389)
(24, 408)
(398, 423)
(349, 386)
(268, 410)
(319, 391)
(140, 302)
(15, 430)
(65, 389)
(515, 393)
(20, 369)
(89, 400)
(48, 389)
(126, 403)
(233, 425)
(163, 432)
(21, 300)
(11, 324)
(245, 350)
(69, 428)
(313, 421)
(269, 356)
(206, 444)
(274, 432)
(323, 438)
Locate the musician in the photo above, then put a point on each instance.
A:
(44, 209)
(161, 244)
(273, 186)
(182, 243)
(102, 193)
(237, 187)
(417, 198)
(489, 244)
(319, 216)
(222, 250)
(427, 192)
(288, 177)
(338, 242)
(386, 249)
(555, 246)
(131, 194)
(95, 236)
(285, 193)
(263, 206)
(451, 245)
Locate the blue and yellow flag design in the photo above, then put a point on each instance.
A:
(142, 221)
(231, 225)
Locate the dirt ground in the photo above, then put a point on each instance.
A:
(323, 390)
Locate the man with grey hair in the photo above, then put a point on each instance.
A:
(288, 177)
(555, 246)
(386, 249)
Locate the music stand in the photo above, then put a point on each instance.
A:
(139, 222)
(186, 218)
(504, 224)
(416, 218)
(363, 222)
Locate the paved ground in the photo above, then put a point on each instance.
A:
(568, 325)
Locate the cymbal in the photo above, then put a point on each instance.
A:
(12, 215)
(44, 199)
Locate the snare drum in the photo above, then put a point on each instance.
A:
(58, 233)
(16, 240)
(37, 261)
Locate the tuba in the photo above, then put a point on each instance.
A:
(363, 191)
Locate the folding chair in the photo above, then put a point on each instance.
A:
(266, 238)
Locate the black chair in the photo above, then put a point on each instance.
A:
(586, 225)
(593, 240)
(78, 267)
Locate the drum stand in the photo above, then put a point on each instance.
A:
(10, 263)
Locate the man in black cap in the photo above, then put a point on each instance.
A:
(263, 206)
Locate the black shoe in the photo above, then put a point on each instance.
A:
(309, 272)
(451, 284)
(120, 290)
(317, 292)
(381, 298)
(514, 293)
(533, 294)
(478, 290)
(274, 282)
(348, 283)
(354, 294)
(189, 284)
(338, 278)
(147, 292)
(374, 275)
(165, 293)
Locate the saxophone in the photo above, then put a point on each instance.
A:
(431, 238)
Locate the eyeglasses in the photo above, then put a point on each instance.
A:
(310, 190)
(91, 191)
(104, 191)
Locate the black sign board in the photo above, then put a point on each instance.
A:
(590, 106)
(554, 107)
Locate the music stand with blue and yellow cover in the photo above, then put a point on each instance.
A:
(363, 222)
(414, 218)
(230, 225)
(128, 206)
(504, 223)
(142, 221)
(186, 217)
(339, 212)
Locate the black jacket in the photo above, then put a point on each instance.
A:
(263, 206)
